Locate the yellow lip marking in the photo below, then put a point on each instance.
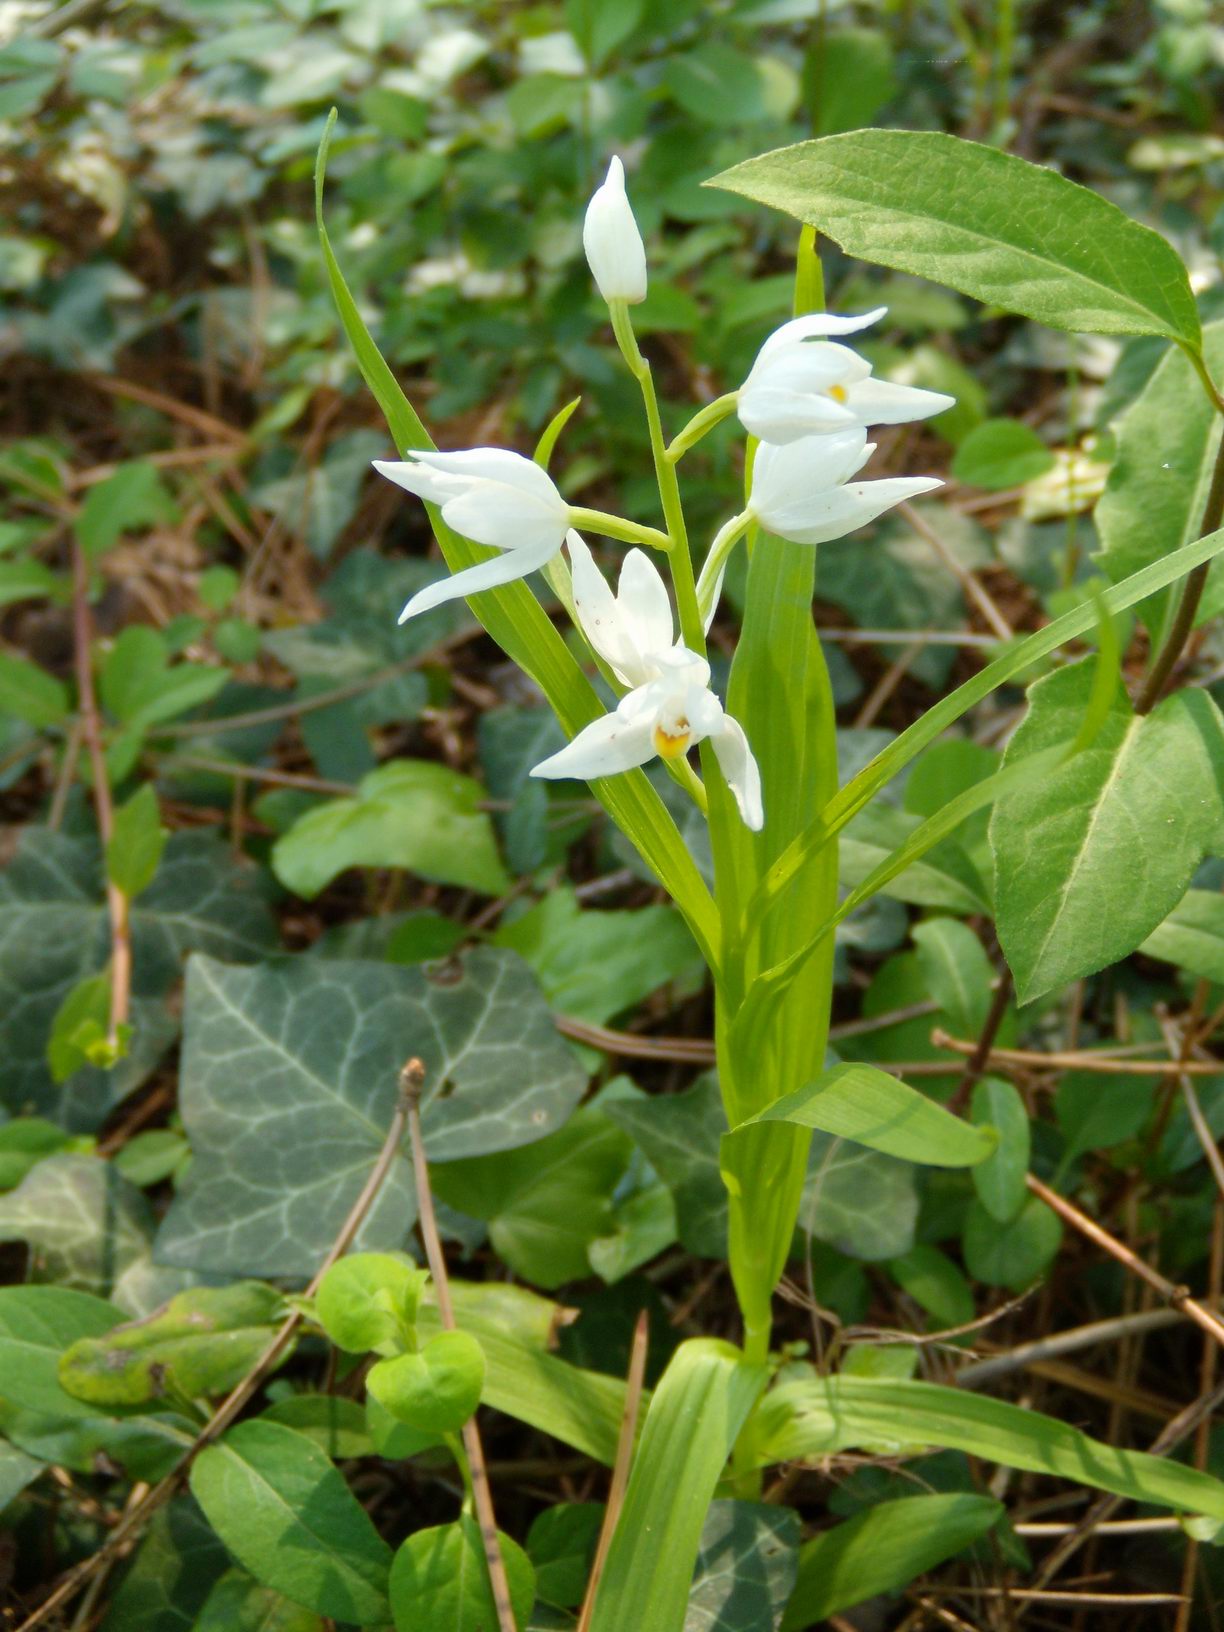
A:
(838, 393)
(671, 744)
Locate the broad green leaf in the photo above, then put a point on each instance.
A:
(649, 1567)
(858, 1200)
(17, 1470)
(599, 26)
(1013, 1252)
(863, 787)
(287, 1515)
(139, 686)
(957, 971)
(1002, 453)
(137, 843)
(933, 1281)
(203, 1342)
(409, 813)
(679, 1136)
(171, 1576)
(336, 1424)
(440, 1578)
(821, 1416)
(1092, 856)
(848, 76)
(437, 1388)
(548, 1201)
(1010, 233)
(306, 1056)
(745, 1568)
(1158, 480)
(519, 625)
(999, 1180)
(238, 1603)
(882, 1550)
(37, 1323)
(27, 579)
(25, 1141)
(317, 503)
(943, 878)
(369, 1300)
(596, 964)
(1096, 1112)
(867, 1105)
(31, 694)
(55, 931)
(1192, 936)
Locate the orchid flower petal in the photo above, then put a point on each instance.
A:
(604, 748)
(740, 769)
(878, 402)
(837, 511)
(501, 569)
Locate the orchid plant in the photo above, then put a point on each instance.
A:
(764, 776)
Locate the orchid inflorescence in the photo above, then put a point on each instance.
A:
(807, 402)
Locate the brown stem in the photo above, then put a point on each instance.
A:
(620, 1472)
(138, 1516)
(91, 723)
(980, 1057)
(412, 1079)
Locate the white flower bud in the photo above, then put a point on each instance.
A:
(613, 244)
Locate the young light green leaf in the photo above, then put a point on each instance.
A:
(409, 813)
(999, 1180)
(369, 1300)
(1091, 857)
(285, 1512)
(881, 1550)
(1010, 233)
(440, 1578)
(957, 972)
(649, 1566)
(867, 1105)
(136, 843)
(434, 1390)
(816, 1417)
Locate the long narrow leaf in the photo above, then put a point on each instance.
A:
(696, 1414)
(818, 1416)
(517, 622)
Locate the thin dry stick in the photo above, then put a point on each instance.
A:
(1072, 1060)
(967, 579)
(620, 1470)
(1068, 1342)
(412, 1080)
(1178, 1296)
(136, 1518)
(887, 684)
(91, 726)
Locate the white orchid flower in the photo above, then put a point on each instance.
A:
(804, 384)
(802, 492)
(613, 244)
(506, 501)
(671, 707)
(493, 496)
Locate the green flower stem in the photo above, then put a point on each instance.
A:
(669, 486)
(701, 424)
(609, 526)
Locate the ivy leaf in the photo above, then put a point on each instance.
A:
(410, 813)
(55, 932)
(861, 1202)
(746, 1567)
(1092, 857)
(238, 1603)
(172, 1574)
(1010, 233)
(304, 1059)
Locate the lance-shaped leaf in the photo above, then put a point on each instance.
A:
(650, 1563)
(1192, 936)
(1007, 232)
(289, 1081)
(881, 1550)
(1093, 855)
(817, 1417)
(867, 1105)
